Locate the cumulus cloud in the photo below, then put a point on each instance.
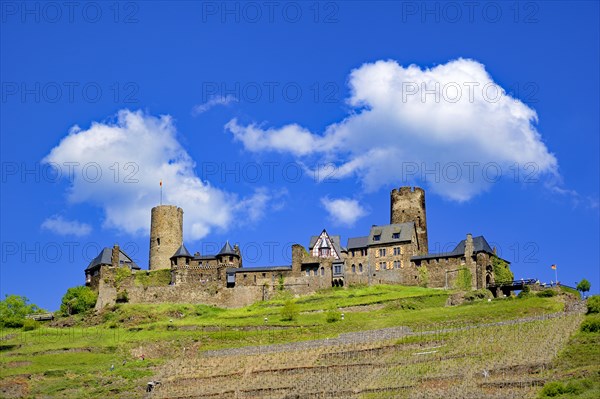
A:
(117, 165)
(57, 224)
(213, 102)
(450, 127)
(343, 211)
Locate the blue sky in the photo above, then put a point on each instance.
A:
(268, 123)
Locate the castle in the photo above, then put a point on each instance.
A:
(395, 253)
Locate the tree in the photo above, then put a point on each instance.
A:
(78, 300)
(583, 286)
(13, 310)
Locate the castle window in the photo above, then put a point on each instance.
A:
(187, 261)
(322, 271)
(396, 236)
(231, 258)
(360, 268)
(316, 272)
(158, 241)
(381, 251)
(264, 275)
(307, 272)
(337, 269)
(353, 268)
(377, 237)
(323, 252)
(245, 275)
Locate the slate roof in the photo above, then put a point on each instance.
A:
(258, 269)
(358, 242)
(204, 257)
(105, 258)
(480, 244)
(334, 239)
(227, 250)
(182, 251)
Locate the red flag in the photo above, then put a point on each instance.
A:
(161, 183)
(553, 267)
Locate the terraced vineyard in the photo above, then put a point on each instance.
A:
(504, 360)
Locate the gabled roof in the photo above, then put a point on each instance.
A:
(227, 250)
(105, 258)
(335, 240)
(480, 244)
(182, 252)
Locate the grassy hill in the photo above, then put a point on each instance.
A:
(361, 342)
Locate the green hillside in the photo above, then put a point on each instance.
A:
(290, 339)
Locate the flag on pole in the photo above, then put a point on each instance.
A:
(553, 267)
(161, 183)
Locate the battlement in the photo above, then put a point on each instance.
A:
(407, 190)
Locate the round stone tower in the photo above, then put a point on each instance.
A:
(408, 205)
(166, 235)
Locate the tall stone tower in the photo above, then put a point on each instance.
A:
(408, 205)
(166, 235)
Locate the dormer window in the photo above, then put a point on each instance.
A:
(377, 237)
(396, 236)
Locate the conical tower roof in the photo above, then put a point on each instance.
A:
(227, 250)
(182, 252)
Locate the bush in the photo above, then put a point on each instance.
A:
(547, 293)
(78, 300)
(479, 294)
(525, 292)
(122, 297)
(591, 324)
(333, 315)
(555, 388)
(30, 324)
(289, 312)
(593, 304)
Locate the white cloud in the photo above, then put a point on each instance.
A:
(213, 102)
(290, 138)
(133, 154)
(449, 127)
(343, 211)
(59, 225)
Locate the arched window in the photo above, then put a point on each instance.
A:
(353, 269)
(322, 271)
(360, 268)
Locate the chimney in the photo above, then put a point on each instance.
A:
(114, 260)
(469, 247)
